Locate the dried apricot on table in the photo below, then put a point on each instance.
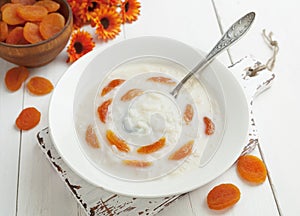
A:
(148, 149)
(32, 33)
(51, 6)
(111, 85)
(188, 113)
(137, 163)
(24, 2)
(209, 126)
(10, 15)
(116, 141)
(163, 80)
(91, 137)
(103, 109)
(15, 76)
(3, 31)
(51, 25)
(183, 151)
(39, 86)
(28, 118)
(32, 12)
(131, 94)
(223, 196)
(16, 36)
(252, 169)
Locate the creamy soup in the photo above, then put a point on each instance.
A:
(139, 130)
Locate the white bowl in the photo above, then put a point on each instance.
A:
(82, 80)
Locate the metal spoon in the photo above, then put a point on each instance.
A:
(235, 32)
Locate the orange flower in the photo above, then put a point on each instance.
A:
(111, 2)
(80, 44)
(130, 10)
(83, 10)
(107, 22)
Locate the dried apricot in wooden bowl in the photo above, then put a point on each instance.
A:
(251, 169)
(28, 118)
(223, 196)
(40, 52)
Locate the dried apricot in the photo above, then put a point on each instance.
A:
(103, 109)
(209, 126)
(28, 118)
(131, 94)
(10, 15)
(16, 36)
(51, 25)
(252, 169)
(223, 196)
(32, 12)
(137, 163)
(164, 80)
(51, 6)
(24, 2)
(188, 113)
(148, 149)
(4, 6)
(15, 76)
(32, 33)
(39, 86)
(91, 137)
(111, 85)
(116, 141)
(3, 31)
(183, 151)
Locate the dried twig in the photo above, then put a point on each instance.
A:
(271, 62)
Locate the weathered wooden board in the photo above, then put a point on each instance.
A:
(97, 201)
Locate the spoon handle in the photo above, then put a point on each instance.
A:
(235, 32)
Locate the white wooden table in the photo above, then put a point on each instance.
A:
(29, 185)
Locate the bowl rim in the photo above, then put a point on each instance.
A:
(68, 22)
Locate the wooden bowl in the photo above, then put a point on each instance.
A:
(38, 54)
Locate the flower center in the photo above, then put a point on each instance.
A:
(126, 6)
(105, 22)
(78, 47)
(93, 6)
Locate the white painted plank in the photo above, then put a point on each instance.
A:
(40, 189)
(181, 206)
(192, 21)
(255, 200)
(277, 110)
(10, 106)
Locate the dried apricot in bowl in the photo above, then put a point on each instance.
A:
(209, 126)
(103, 109)
(51, 25)
(28, 118)
(183, 151)
(120, 144)
(223, 196)
(16, 36)
(33, 13)
(50, 5)
(91, 137)
(252, 169)
(3, 31)
(111, 85)
(148, 149)
(31, 33)
(10, 14)
(15, 76)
